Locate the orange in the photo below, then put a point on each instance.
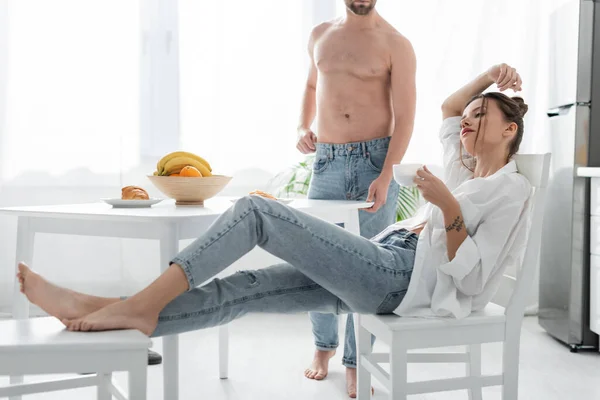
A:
(190, 171)
(174, 175)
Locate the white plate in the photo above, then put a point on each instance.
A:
(120, 203)
(284, 201)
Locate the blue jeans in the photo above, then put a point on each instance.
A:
(345, 171)
(327, 269)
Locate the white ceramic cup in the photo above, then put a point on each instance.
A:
(405, 174)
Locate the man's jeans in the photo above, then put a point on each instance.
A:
(345, 172)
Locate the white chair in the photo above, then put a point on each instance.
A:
(500, 321)
(43, 346)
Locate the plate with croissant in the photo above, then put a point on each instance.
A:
(268, 196)
(132, 197)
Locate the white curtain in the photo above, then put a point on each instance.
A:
(69, 129)
(242, 74)
(70, 102)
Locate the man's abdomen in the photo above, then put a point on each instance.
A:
(352, 110)
(345, 172)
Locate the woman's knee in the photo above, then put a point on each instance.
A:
(251, 203)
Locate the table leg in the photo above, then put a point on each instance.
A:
(364, 379)
(169, 247)
(20, 305)
(25, 239)
(223, 351)
(352, 224)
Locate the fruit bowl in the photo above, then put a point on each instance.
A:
(188, 190)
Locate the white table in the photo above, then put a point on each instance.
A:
(163, 222)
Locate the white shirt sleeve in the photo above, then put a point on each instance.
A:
(478, 256)
(450, 139)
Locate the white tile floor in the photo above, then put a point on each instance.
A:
(269, 353)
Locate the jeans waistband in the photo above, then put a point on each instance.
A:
(355, 148)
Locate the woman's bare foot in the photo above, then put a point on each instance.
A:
(56, 301)
(351, 383)
(127, 314)
(320, 365)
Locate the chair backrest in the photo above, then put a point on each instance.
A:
(513, 293)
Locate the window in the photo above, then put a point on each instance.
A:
(243, 72)
(73, 87)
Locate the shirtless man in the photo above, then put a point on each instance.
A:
(361, 88)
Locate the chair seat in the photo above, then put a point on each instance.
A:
(491, 314)
(49, 334)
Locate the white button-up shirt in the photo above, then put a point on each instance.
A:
(495, 211)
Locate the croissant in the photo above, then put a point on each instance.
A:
(134, 193)
(263, 194)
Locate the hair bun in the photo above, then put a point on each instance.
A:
(521, 104)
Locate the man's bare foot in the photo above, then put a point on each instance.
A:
(320, 365)
(56, 301)
(351, 383)
(127, 314)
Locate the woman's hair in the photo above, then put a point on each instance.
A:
(513, 109)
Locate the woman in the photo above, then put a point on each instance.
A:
(454, 250)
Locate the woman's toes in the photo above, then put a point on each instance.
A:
(85, 326)
(74, 325)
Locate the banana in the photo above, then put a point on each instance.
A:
(179, 162)
(174, 170)
(160, 166)
(204, 170)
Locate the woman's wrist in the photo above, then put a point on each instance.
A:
(481, 83)
(453, 219)
(450, 208)
(456, 102)
(486, 80)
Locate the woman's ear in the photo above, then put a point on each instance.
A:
(511, 130)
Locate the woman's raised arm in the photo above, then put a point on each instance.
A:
(503, 75)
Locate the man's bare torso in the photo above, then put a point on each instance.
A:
(353, 85)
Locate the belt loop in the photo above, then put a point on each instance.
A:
(331, 152)
(364, 149)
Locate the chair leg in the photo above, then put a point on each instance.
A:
(510, 368)
(474, 370)
(138, 378)
(363, 348)
(103, 389)
(13, 380)
(398, 370)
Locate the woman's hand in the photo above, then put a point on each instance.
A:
(506, 77)
(433, 189)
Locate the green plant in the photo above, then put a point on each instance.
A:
(407, 202)
(299, 178)
(296, 181)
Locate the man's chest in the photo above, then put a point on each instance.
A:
(364, 57)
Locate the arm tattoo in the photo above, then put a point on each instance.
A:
(457, 225)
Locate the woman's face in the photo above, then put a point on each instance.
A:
(494, 132)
